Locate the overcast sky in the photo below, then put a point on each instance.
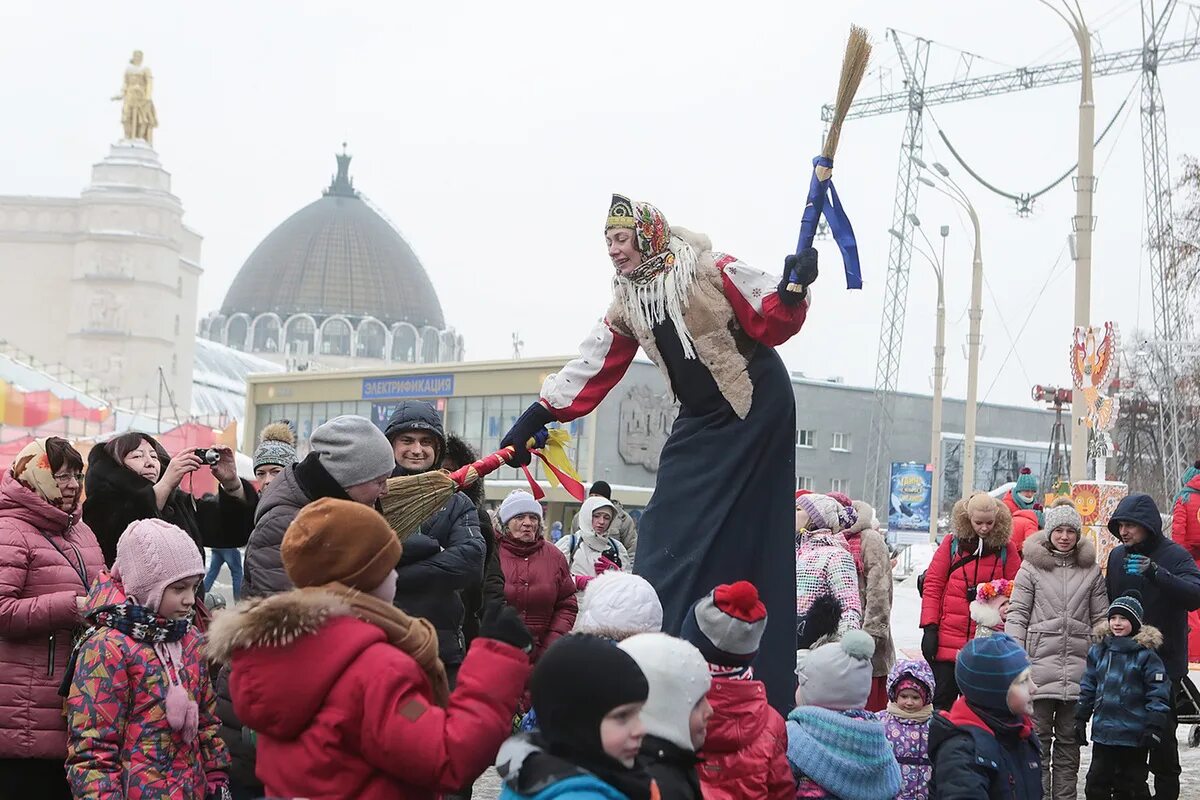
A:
(493, 134)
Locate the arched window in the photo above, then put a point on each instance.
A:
(216, 328)
(236, 332)
(299, 335)
(372, 339)
(266, 334)
(335, 337)
(448, 350)
(404, 343)
(429, 346)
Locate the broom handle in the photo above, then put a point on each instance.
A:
(813, 208)
(465, 476)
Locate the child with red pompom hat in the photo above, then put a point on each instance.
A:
(745, 752)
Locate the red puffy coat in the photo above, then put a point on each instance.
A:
(342, 713)
(944, 602)
(43, 551)
(745, 752)
(1185, 520)
(1024, 521)
(538, 584)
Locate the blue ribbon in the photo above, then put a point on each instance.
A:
(823, 199)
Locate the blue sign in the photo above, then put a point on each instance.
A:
(404, 386)
(910, 497)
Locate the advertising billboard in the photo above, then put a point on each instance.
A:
(909, 498)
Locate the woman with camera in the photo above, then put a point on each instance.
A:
(131, 477)
(47, 559)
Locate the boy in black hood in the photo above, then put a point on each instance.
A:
(1169, 582)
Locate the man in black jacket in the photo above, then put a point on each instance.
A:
(444, 556)
(1169, 581)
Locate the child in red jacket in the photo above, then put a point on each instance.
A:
(346, 692)
(141, 710)
(744, 756)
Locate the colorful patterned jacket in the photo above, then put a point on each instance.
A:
(910, 737)
(824, 565)
(121, 746)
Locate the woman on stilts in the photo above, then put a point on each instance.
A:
(722, 507)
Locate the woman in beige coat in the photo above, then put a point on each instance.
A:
(1058, 599)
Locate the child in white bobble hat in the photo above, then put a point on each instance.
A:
(835, 747)
(676, 713)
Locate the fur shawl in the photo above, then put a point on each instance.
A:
(721, 344)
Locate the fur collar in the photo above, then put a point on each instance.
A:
(997, 539)
(1040, 553)
(866, 517)
(1147, 636)
(273, 621)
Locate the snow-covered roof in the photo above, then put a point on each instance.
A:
(219, 379)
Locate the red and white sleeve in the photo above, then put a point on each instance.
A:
(755, 299)
(577, 388)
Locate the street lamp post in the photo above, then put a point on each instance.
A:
(1083, 223)
(947, 186)
(939, 372)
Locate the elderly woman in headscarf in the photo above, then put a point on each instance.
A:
(48, 558)
(721, 510)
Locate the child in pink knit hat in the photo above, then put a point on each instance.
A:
(141, 710)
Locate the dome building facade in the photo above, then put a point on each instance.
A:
(335, 285)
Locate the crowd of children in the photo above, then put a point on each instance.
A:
(347, 697)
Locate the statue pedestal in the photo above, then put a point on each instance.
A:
(130, 164)
(1096, 502)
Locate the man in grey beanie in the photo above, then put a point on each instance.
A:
(349, 458)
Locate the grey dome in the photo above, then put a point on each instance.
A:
(336, 256)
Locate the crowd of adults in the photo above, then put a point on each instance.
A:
(470, 572)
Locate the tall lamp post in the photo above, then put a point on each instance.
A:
(1083, 223)
(939, 370)
(947, 186)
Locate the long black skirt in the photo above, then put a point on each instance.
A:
(723, 510)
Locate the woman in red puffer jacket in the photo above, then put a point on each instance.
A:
(47, 560)
(980, 550)
(537, 580)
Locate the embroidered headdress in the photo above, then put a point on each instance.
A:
(660, 286)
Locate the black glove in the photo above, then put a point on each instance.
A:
(1150, 739)
(805, 264)
(929, 643)
(1081, 732)
(536, 417)
(503, 623)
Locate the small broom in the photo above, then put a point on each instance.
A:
(854, 66)
(412, 499)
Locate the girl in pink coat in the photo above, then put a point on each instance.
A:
(47, 559)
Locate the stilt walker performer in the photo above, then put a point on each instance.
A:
(722, 509)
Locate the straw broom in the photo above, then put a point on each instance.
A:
(854, 66)
(412, 499)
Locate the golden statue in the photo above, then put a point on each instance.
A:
(137, 108)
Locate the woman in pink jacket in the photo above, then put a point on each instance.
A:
(47, 560)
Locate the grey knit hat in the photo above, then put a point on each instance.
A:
(837, 675)
(353, 450)
(277, 446)
(727, 624)
(1062, 513)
